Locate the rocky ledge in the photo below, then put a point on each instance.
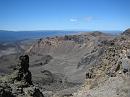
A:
(19, 83)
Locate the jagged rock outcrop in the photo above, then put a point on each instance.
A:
(111, 74)
(126, 32)
(22, 72)
(91, 58)
(19, 83)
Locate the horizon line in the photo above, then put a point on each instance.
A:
(58, 30)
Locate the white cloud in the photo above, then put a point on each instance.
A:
(73, 20)
(88, 18)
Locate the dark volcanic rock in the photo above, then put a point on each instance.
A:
(91, 58)
(5, 91)
(22, 72)
(33, 92)
(89, 74)
(76, 38)
(19, 83)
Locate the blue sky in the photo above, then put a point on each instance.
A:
(64, 14)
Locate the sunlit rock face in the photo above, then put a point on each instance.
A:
(126, 32)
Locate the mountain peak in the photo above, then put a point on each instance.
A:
(126, 32)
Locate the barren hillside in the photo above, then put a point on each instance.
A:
(85, 65)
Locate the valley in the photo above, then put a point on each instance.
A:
(89, 64)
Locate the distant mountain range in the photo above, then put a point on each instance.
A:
(11, 36)
(7, 36)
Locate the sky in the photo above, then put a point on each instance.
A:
(64, 14)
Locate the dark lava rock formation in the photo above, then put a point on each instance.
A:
(19, 83)
(22, 73)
